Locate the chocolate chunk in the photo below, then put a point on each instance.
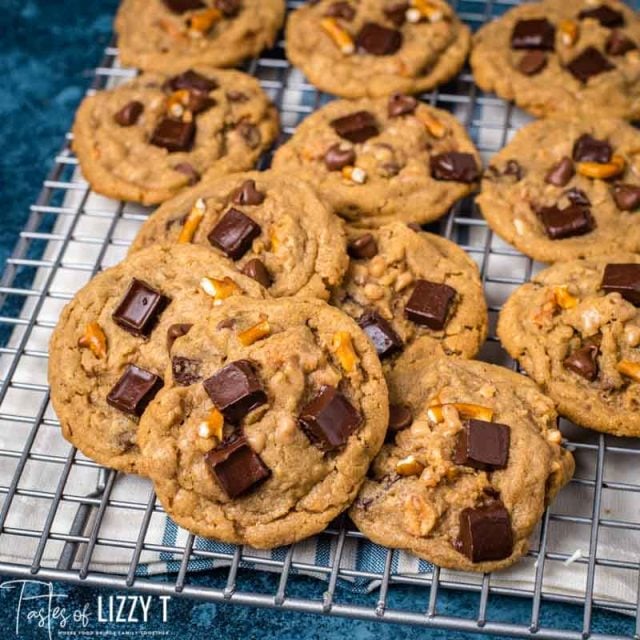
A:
(537, 33)
(513, 168)
(356, 127)
(134, 390)
(329, 419)
(173, 135)
(626, 196)
(247, 194)
(176, 331)
(397, 13)
(250, 134)
(139, 309)
(618, 44)
(454, 166)
(623, 278)
(199, 101)
(181, 6)
(234, 233)
(485, 533)
(400, 417)
(584, 362)
(589, 63)
(256, 269)
(341, 10)
(560, 174)
(378, 40)
(381, 333)
(186, 169)
(483, 445)
(577, 196)
(589, 149)
(229, 8)
(532, 62)
(236, 390)
(575, 220)
(236, 466)
(429, 304)
(193, 81)
(129, 114)
(400, 105)
(604, 14)
(363, 247)
(336, 158)
(185, 371)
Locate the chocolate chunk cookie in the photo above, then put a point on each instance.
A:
(566, 188)
(467, 475)
(558, 57)
(385, 159)
(575, 329)
(413, 290)
(170, 35)
(275, 439)
(373, 47)
(272, 225)
(109, 352)
(155, 135)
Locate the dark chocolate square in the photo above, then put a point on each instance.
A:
(140, 308)
(483, 445)
(377, 40)
(589, 63)
(623, 278)
(385, 339)
(234, 233)
(356, 127)
(430, 304)
(173, 135)
(454, 166)
(485, 533)
(605, 15)
(537, 33)
(135, 389)
(574, 220)
(589, 149)
(193, 81)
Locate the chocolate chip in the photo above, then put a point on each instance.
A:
(363, 247)
(584, 362)
(532, 62)
(134, 390)
(236, 466)
(560, 174)
(537, 33)
(589, 149)
(397, 13)
(377, 40)
(236, 390)
(181, 6)
(186, 169)
(400, 105)
(390, 169)
(626, 196)
(485, 533)
(199, 101)
(429, 304)
(575, 220)
(605, 15)
(234, 233)
(248, 194)
(129, 114)
(193, 81)
(229, 8)
(329, 419)
(513, 168)
(256, 269)
(185, 371)
(237, 96)
(383, 336)
(176, 331)
(341, 10)
(624, 279)
(454, 166)
(139, 309)
(356, 127)
(483, 445)
(336, 158)
(618, 44)
(589, 63)
(173, 135)
(400, 417)
(577, 196)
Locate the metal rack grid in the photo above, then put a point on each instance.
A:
(31, 294)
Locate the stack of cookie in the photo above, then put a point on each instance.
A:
(282, 345)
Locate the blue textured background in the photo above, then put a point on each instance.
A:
(47, 52)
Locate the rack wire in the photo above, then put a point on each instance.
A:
(71, 234)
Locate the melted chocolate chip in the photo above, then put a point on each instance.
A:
(129, 114)
(182, 6)
(532, 62)
(234, 233)
(185, 371)
(575, 220)
(605, 15)
(483, 445)
(139, 310)
(134, 390)
(336, 158)
(378, 40)
(400, 417)
(454, 166)
(250, 134)
(256, 269)
(383, 336)
(430, 304)
(176, 331)
(186, 169)
(485, 533)
(584, 362)
(589, 63)
(356, 127)
(537, 33)
(626, 196)
(560, 174)
(173, 135)
(341, 10)
(363, 247)
(193, 81)
(589, 149)
(618, 44)
(248, 194)
(623, 279)
(400, 105)
(397, 13)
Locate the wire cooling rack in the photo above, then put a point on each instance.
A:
(72, 233)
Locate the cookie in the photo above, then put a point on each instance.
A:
(272, 225)
(566, 188)
(169, 35)
(413, 290)
(109, 351)
(560, 58)
(274, 438)
(473, 459)
(575, 329)
(155, 135)
(385, 159)
(373, 48)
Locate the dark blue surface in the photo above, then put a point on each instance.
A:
(47, 52)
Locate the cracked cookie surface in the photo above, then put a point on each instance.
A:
(299, 386)
(379, 160)
(461, 506)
